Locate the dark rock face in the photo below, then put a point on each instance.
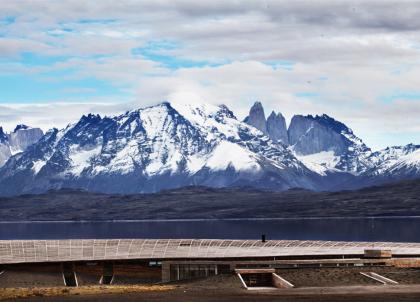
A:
(3, 136)
(20, 127)
(24, 136)
(276, 128)
(256, 118)
(314, 134)
(308, 135)
(4, 147)
(17, 141)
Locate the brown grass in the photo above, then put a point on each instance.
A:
(13, 293)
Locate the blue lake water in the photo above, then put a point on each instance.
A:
(399, 229)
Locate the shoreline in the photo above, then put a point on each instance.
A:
(213, 219)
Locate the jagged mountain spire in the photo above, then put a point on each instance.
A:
(256, 117)
(276, 128)
(3, 136)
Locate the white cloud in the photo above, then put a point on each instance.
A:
(59, 115)
(347, 55)
(239, 84)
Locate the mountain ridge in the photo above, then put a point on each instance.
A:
(389, 200)
(176, 144)
(154, 148)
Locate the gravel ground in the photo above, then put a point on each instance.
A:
(307, 277)
(349, 294)
(228, 288)
(302, 277)
(403, 276)
(49, 275)
(312, 284)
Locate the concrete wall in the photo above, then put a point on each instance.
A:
(279, 282)
(377, 253)
(408, 262)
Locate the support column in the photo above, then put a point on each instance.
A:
(108, 273)
(69, 275)
(166, 272)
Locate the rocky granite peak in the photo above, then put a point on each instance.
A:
(276, 128)
(256, 117)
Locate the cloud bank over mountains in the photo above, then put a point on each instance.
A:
(357, 61)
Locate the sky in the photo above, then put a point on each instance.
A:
(357, 61)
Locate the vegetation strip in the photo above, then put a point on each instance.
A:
(14, 293)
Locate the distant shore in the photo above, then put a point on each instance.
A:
(201, 203)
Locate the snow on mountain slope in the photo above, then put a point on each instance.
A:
(412, 159)
(155, 139)
(216, 122)
(242, 159)
(397, 160)
(219, 123)
(37, 166)
(321, 163)
(157, 147)
(81, 158)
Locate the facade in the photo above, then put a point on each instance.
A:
(30, 251)
(189, 258)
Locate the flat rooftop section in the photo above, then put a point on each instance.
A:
(20, 251)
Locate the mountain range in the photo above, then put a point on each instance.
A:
(172, 145)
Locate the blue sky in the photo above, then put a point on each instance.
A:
(358, 63)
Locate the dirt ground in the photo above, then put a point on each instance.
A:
(48, 275)
(12, 294)
(26, 276)
(346, 294)
(403, 276)
(325, 277)
(312, 284)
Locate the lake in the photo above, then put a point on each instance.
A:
(398, 229)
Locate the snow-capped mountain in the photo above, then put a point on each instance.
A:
(145, 150)
(17, 141)
(331, 149)
(321, 143)
(174, 144)
(326, 145)
(396, 162)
